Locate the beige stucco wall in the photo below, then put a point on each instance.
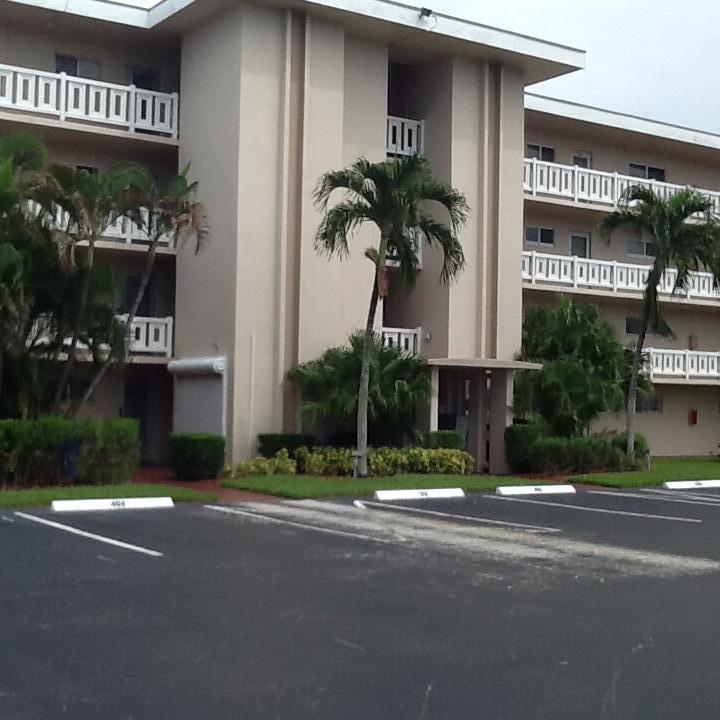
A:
(668, 432)
(35, 49)
(612, 150)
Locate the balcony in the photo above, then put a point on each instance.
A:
(88, 101)
(592, 187)
(149, 335)
(122, 231)
(404, 137)
(407, 339)
(610, 276)
(683, 364)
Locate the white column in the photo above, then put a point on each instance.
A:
(501, 417)
(477, 419)
(434, 398)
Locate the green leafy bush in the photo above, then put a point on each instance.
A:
(280, 464)
(196, 456)
(452, 439)
(109, 451)
(54, 450)
(531, 449)
(270, 443)
(334, 462)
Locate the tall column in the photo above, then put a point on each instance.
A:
(434, 398)
(477, 419)
(501, 416)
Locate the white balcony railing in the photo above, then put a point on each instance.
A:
(583, 185)
(687, 364)
(148, 335)
(407, 339)
(79, 99)
(610, 275)
(404, 136)
(121, 230)
(151, 335)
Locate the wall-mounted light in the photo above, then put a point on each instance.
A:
(425, 13)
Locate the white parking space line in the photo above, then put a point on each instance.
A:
(89, 535)
(471, 518)
(582, 508)
(648, 496)
(316, 528)
(711, 499)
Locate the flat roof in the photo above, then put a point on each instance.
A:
(540, 59)
(486, 363)
(621, 121)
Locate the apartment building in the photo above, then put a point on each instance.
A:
(578, 161)
(262, 98)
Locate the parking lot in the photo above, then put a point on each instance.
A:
(596, 605)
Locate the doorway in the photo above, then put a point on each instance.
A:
(136, 406)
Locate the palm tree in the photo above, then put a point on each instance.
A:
(81, 206)
(683, 234)
(329, 388)
(391, 195)
(164, 210)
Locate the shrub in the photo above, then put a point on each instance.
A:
(270, 443)
(334, 462)
(452, 439)
(109, 451)
(53, 450)
(529, 449)
(196, 456)
(280, 464)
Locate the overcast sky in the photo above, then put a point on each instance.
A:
(654, 58)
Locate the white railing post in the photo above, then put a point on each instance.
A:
(574, 270)
(533, 175)
(421, 143)
(532, 267)
(418, 340)
(62, 101)
(175, 114)
(686, 355)
(169, 336)
(614, 276)
(576, 194)
(131, 107)
(615, 192)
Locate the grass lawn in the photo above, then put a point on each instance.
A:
(662, 470)
(29, 497)
(307, 486)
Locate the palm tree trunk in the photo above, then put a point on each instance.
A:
(84, 294)
(632, 389)
(361, 468)
(144, 280)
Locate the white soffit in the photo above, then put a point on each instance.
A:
(148, 14)
(610, 118)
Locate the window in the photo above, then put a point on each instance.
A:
(580, 244)
(643, 248)
(633, 325)
(89, 169)
(143, 78)
(541, 152)
(649, 403)
(582, 159)
(77, 67)
(539, 235)
(647, 172)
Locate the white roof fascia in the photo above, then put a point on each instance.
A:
(610, 118)
(393, 11)
(115, 12)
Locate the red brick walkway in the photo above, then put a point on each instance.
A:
(226, 496)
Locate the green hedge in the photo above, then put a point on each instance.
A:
(280, 464)
(451, 439)
(55, 450)
(531, 450)
(334, 462)
(196, 456)
(269, 444)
